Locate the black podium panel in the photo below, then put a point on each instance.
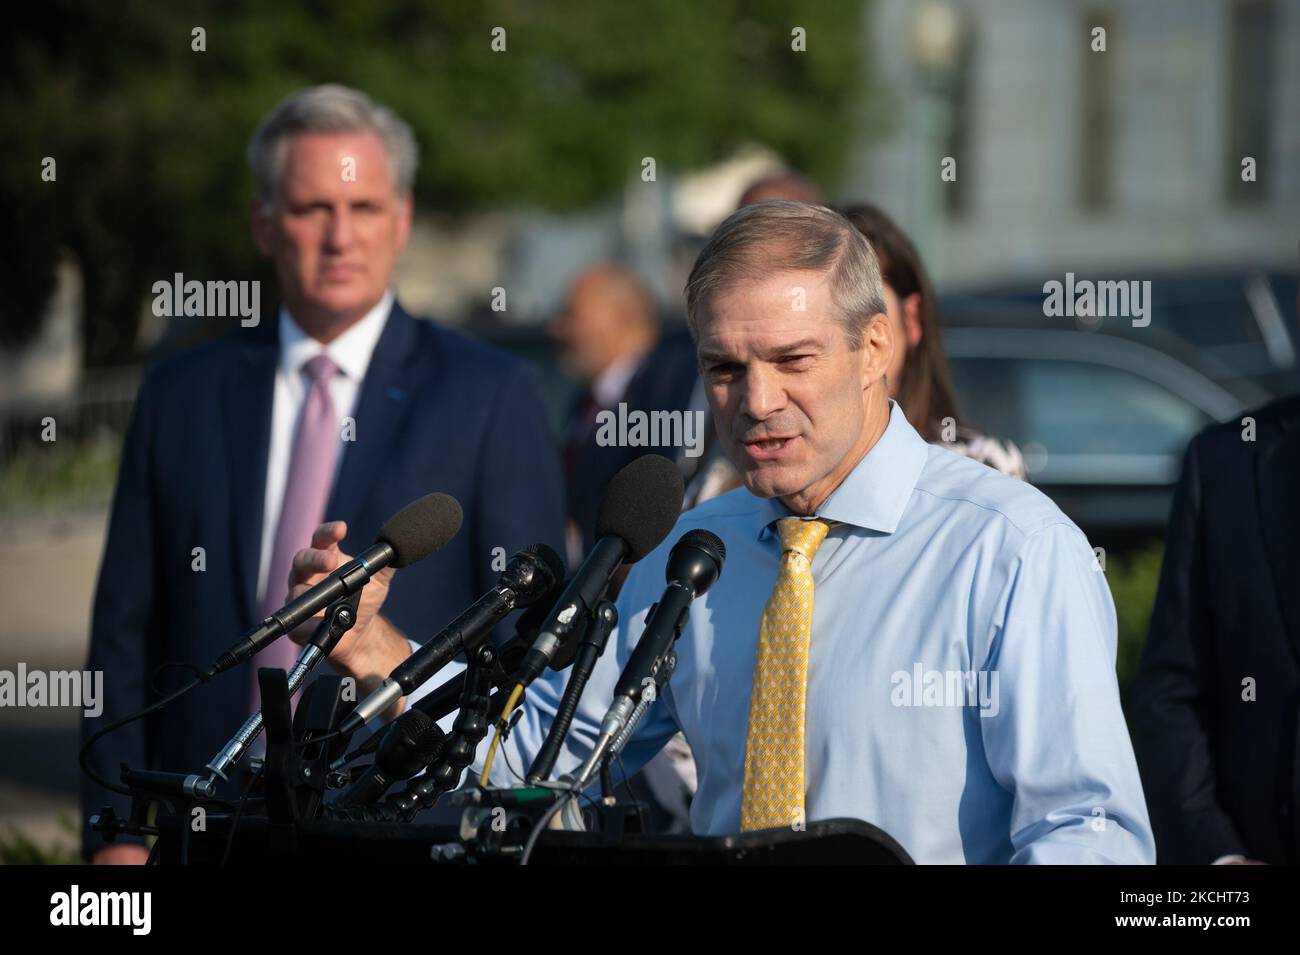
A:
(826, 842)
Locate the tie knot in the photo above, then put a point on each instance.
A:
(320, 369)
(802, 536)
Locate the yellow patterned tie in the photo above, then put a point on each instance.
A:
(774, 752)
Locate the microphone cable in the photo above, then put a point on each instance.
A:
(501, 725)
(84, 754)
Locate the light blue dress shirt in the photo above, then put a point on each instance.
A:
(961, 679)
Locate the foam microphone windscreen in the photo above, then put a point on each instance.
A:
(421, 527)
(417, 735)
(642, 503)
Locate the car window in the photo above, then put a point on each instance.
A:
(1074, 408)
(1208, 317)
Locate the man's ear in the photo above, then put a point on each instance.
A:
(406, 214)
(260, 224)
(912, 326)
(878, 346)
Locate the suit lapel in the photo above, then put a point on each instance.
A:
(391, 378)
(249, 394)
(1277, 476)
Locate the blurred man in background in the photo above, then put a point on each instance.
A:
(1216, 702)
(782, 185)
(343, 409)
(607, 333)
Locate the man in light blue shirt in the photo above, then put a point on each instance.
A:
(956, 686)
(961, 686)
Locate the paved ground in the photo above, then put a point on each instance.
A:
(47, 578)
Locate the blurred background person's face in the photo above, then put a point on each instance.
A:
(904, 315)
(791, 401)
(334, 228)
(783, 185)
(584, 330)
(605, 317)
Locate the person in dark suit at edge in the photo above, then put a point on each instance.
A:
(343, 409)
(1216, 701)
(1217, 694)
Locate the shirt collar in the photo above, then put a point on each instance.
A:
(351, 351)
(875, 493)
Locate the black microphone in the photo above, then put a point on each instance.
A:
(529, 626)
(531, 574)
(410, 535)
(446, 698)
(186, 786)
(694, 565)
(406, 748)
(641, 506)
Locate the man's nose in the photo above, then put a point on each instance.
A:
(763, 394)
(339, 233)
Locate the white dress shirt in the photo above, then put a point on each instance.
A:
(351, 352)
(610, 386)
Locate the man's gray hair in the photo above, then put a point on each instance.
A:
(330, 109)
(765, 237)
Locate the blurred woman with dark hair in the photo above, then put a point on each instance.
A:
(919, 377)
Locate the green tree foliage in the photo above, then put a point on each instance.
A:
(16, 848)
(149, 135)
(1133, 579)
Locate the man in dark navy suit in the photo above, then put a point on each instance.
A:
(342, 410)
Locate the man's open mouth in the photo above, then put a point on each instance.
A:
(767, 447)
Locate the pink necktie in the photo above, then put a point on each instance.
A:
(306, 492)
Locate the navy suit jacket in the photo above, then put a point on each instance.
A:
(1221, 770)
(436, 412)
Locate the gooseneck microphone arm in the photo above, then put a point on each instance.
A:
(471, 725)
(338, 620)
(590, 648)
(454, 754)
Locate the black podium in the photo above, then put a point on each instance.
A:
(824, 842)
